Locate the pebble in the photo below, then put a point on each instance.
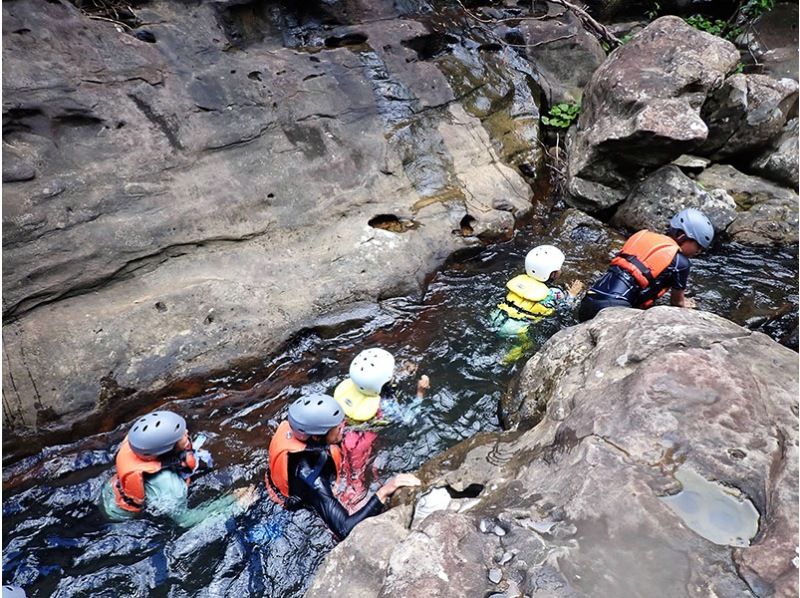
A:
(499, 531)
(495, 575)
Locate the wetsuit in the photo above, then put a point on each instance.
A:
(312, 475)
(617, 288)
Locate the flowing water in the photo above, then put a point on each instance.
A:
(56, 542)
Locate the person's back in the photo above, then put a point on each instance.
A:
(649, 265)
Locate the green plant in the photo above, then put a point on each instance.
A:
(754, 8)
(739, 68)
(562, 115)
(652, 13)
(717, 27)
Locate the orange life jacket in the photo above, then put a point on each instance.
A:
(283, 443)
(645, 256)
(128, 482)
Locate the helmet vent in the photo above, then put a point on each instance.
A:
(335, 413)
(144, 429)
(319, 402)
(158, 423)
(177, 426)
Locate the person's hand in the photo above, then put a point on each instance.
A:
(575, 288)
(401, 480)
(423, 384)
(246, 496)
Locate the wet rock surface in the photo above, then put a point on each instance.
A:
(618, 405)
(768, 214)
(562, 52)
(184, 199)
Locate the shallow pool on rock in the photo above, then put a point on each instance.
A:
(716, 512)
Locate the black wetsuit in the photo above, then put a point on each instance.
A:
(312, 475)
(618, 288)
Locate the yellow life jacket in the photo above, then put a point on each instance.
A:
(357, 406)
(523, 299)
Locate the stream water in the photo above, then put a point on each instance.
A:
(56, 542)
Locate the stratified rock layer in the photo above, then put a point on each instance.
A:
(173, 207)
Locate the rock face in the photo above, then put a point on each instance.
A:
(772, 40)
(622, 406)
(562, 52)
(779, 161)
(768, 214)
(171, 207)
(641, 109)
(654, 201)
(746, 113)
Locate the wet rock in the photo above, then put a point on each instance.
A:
(187, 176)
(360, 563)
(562, 52)
(628, 397)
(495, 575)
(767, 214)
(772, 40)
(664, 193)
(779, 161)
(747, 112)
(641, 109)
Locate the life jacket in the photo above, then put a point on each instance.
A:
(128, 482)
(277, 476)
(645, 256)
(357, 405)
(523, 301)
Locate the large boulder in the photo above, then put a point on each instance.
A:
(628, 410)
(767, 214)
(641, 109)
(746, 113)
(664, 193)
(176, 206)
(779, 161)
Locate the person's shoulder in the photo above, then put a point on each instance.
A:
(681, 262)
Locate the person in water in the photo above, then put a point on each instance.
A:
(154, 466)
(649, 265)
(368, 398)
(305, 460)
(532, 296)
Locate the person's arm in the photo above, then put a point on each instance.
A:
(680, 280)
(319, 496)
(166, 494)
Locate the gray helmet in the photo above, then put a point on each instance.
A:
(156, 433)
(695, 225)
(315, 414)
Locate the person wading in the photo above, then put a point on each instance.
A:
(649, 265)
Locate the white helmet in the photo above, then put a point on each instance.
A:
(542, 261)
(371, 369)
